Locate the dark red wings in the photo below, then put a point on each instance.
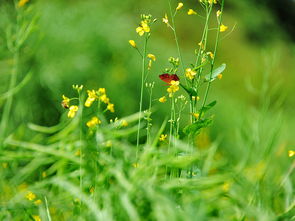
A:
(168, 77)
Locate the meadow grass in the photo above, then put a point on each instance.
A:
(93, 167)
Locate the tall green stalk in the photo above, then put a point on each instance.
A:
(141, 92)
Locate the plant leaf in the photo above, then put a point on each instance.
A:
(215, 73)
(195, 128)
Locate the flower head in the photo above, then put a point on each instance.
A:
(174, 87)
(132, 43)
(93, 122)
(291, 153)
(143, 28)
(190, 74)
(30, 196)
(163, 99)
(165, 20)
(65, 102)
(38, 202)
(124, 123)
(72, 111)
(223, 28)
(219, 76)
(152, 57)
(218, 13)
(36, 218)
(191, 12)
(179, 6)
(91, 98)
(163, 137)
(111, 108)
(22, 3)
(101, 90)
(104, 99)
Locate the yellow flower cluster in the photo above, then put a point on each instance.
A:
(190, 74)
(163, 137)
(144, 25)
(291, 153)
(93, 122)
(65, 102)
(223, 28)
(22, 3)
(191, 12)
(163, 99)
(72, 111)
(101, 95)
(30, 196)
(174, 87)
(208, 1)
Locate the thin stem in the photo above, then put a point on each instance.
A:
(175, 37)
(213, 60)
(141, 93)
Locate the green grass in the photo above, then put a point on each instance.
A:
(237, 169)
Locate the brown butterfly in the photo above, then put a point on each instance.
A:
(168, 77)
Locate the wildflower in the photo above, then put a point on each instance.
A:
(77, 87)
(223, 28)
(65, 102)
(163, 137)
(91, 190)
(38, 202)
(165, 20)
(168, 78)
(72, 111)
(36, 218)
(101, 90)
(190, 74)
(196, 115)
(218, 13)
(173, 88)
(5, 165)
(191, 12)
(210, 54)
(163, 99)
(132, 43)
(135, 165)
(21, 3)
(78, 153)
(195, 98)
(104, 99)
(124, 123)
(30, 196)
(152, 57)
(93, 122)
(212, 1)
(179, 6)
(91, 98)
(110, 107)
(143, 28)
(219, 76)
(291, 153)
(44, 174)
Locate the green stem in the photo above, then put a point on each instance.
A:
(213, 60)
(141, 93)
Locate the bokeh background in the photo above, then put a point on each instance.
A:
(86, 42)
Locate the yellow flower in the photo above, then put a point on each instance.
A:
(152, 57)
(191, 12)
(223, 28)
(132, 43)
(65, 102)
(104, 99)
(72, 111)
(110, 107)
(219, 76)
(101, 90)
(91, 98)
(30, 196)
(179, 6)
(38, 202)
(77, 87)
(174, 86)
(93, 122)
(163, 137)
(210, 54)
(36, 218)
(291, 153)
(165, 20)
(218, 13)
(195, 98)
(163, 99)
(21, 3)
(196, 115)
(190, 74)
(212, 1)
(124, 123)
(135, 165)
(144, 27)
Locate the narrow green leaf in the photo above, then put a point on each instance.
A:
(215, 73)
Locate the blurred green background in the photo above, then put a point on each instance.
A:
(86, 42)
